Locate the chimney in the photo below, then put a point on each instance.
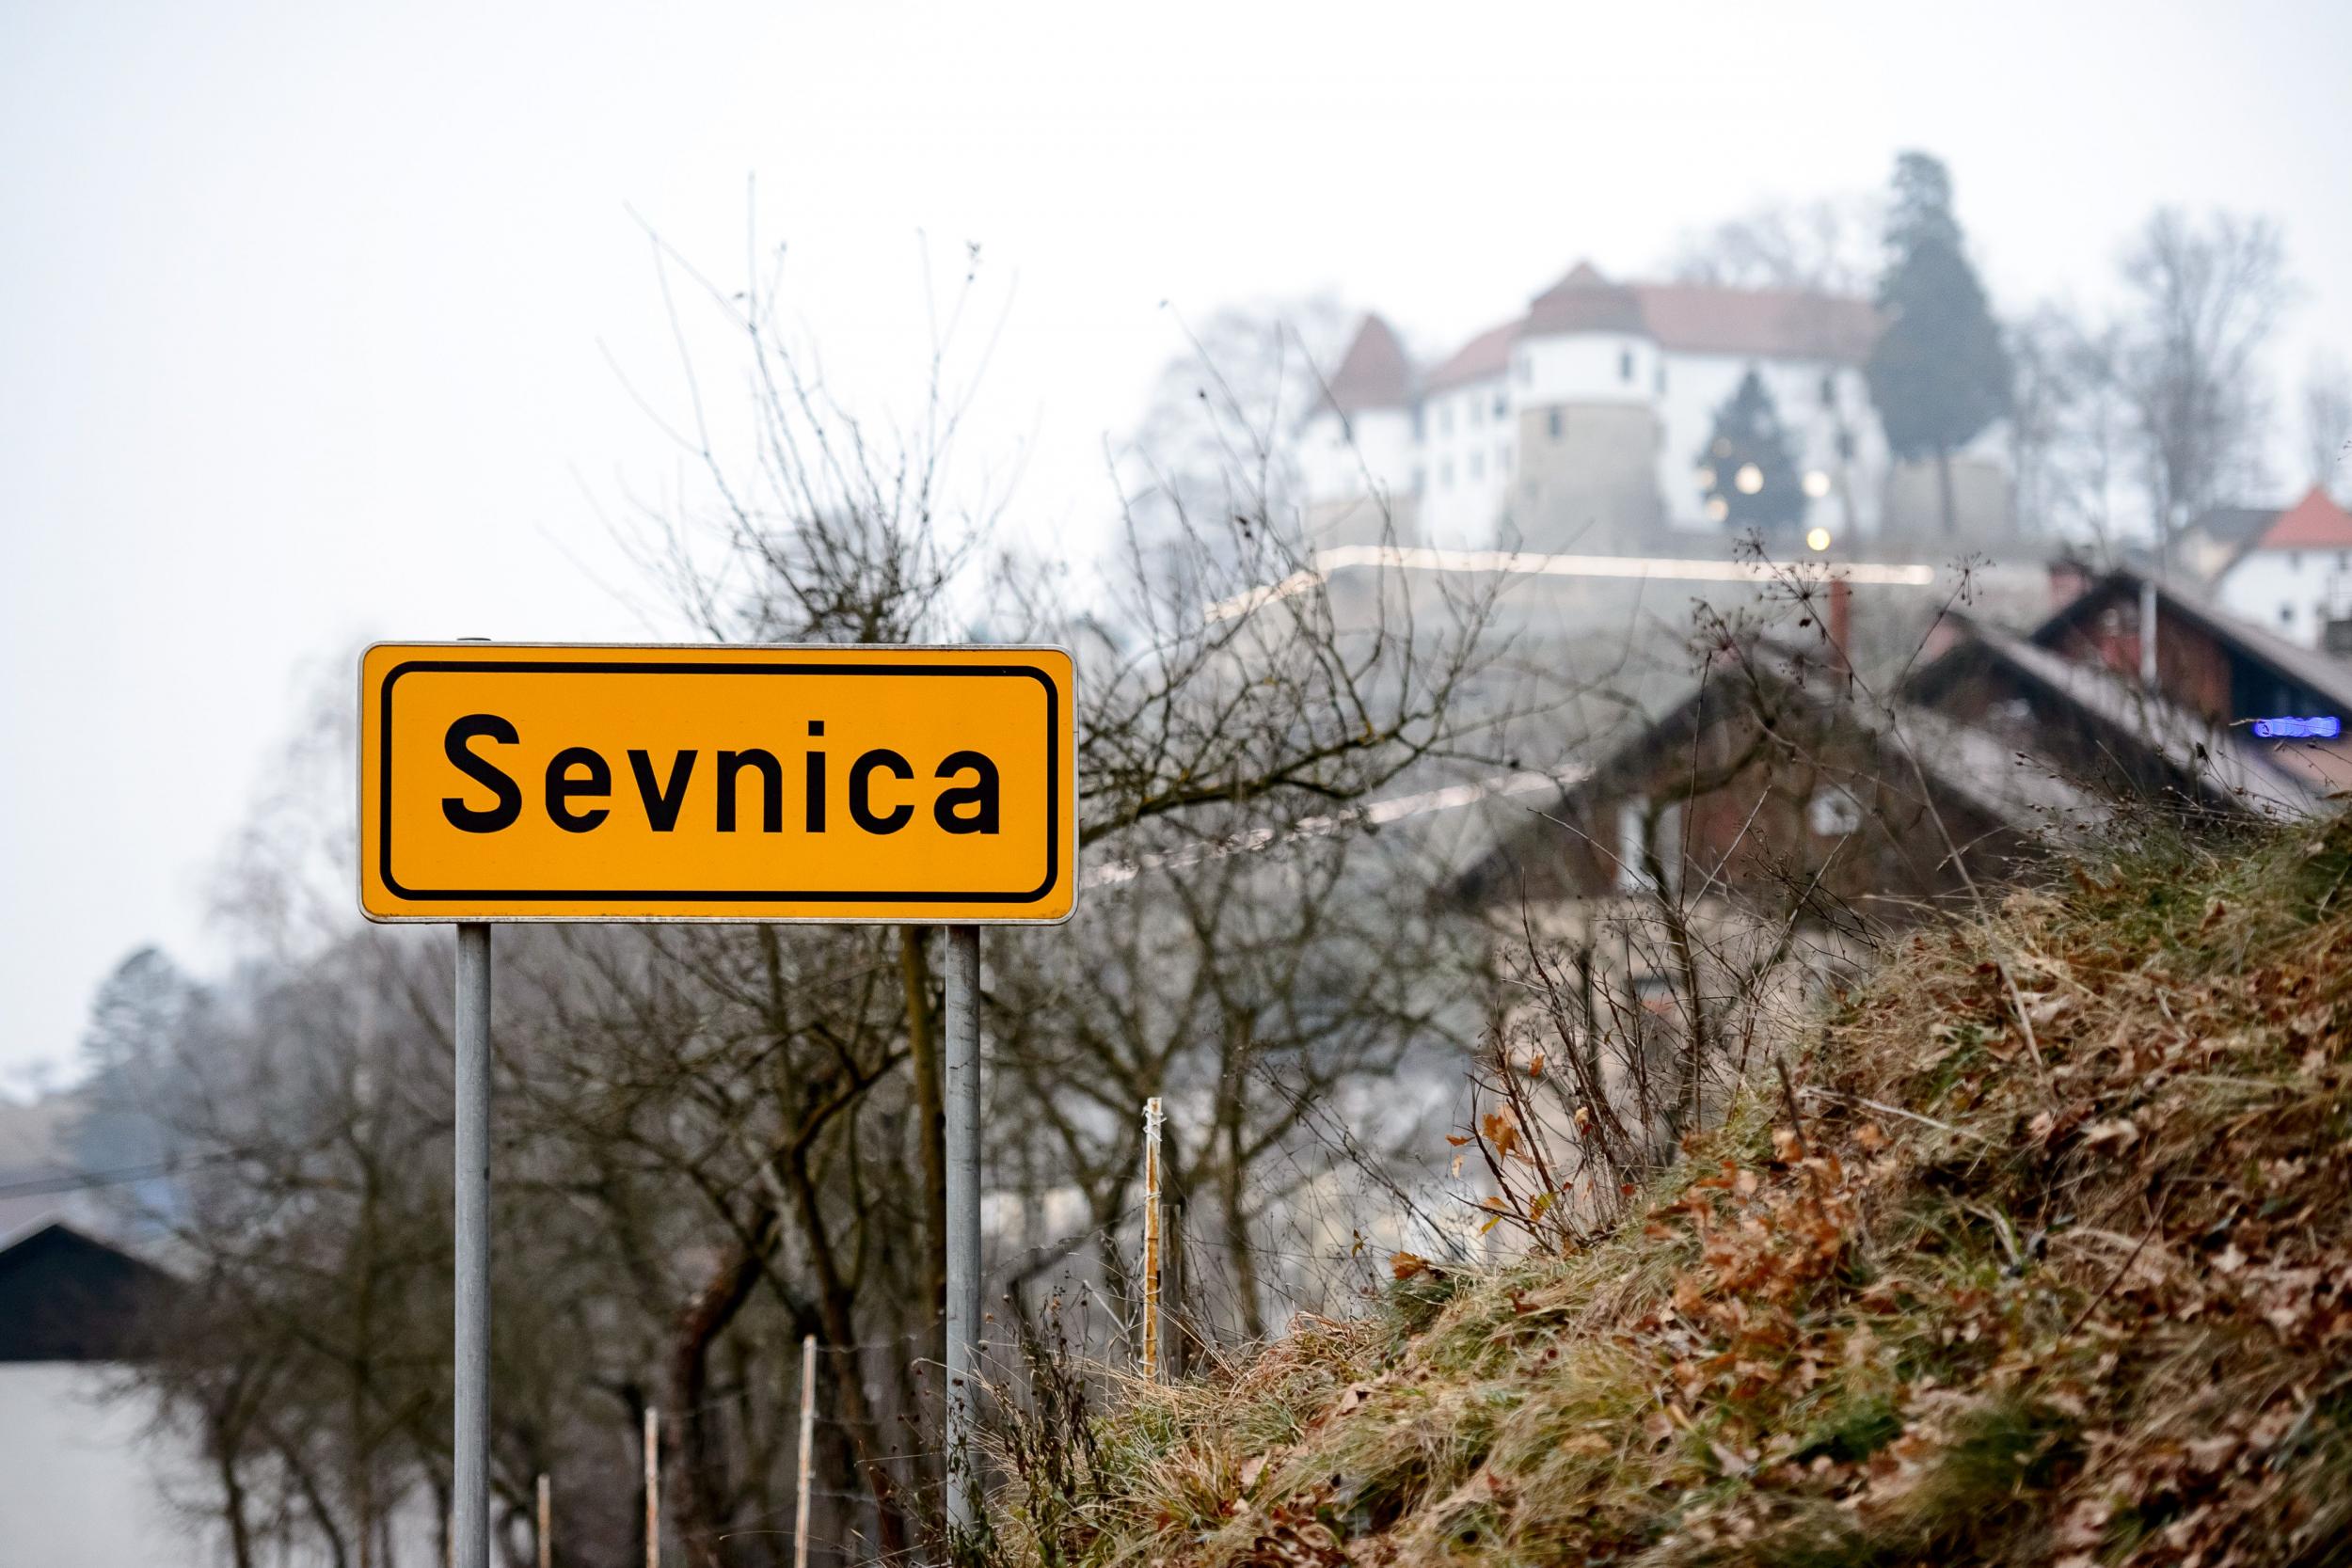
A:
(1841, 628)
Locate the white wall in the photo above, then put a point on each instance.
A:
(2291, 592)
(1584, 367)
(1468, 433)
(82, 1479)
(1332, 469)
(1464, 457)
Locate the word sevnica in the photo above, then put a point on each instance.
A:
(578, 774)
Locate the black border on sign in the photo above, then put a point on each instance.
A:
(638, 667)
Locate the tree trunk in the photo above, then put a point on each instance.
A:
(1944, 492)
(1243, 1254)
(704, 1497)
(834, 1303)
(232, 1505)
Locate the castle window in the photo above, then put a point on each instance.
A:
(1844, 445)
(1551, 420)
(1477, 409)
(1477, 465)
(1624, 364)
(1829, 391)
(1445, 474)
(1662, 378)
(1503, 406)
(1445, 419)
(1417, 478)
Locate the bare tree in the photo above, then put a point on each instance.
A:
(2206, 295)
(2327, 420)
(1827, 245)
(2070, 422)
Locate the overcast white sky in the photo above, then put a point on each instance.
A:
(305, 309)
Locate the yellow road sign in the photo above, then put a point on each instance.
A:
(528, 781)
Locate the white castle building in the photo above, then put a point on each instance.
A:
(1579, 426)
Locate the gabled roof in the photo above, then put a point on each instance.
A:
(1373, 373)
(1770, 324)
(65, 1296)
(2313, 523)
(2233, 525)
(1484, 358)
(1686, 317)
(2319, 673)
(2194, 749)
(1966, 764)
(1584, 300)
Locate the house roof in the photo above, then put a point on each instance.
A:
(2233, 525)
(1373, 373)
(1484, 358)
(2319, 673)
(2186, 743)
(1773, 324)
(1686, 317)
(2313, 523)
(1966, 764)
(65, 1296)
(1584, 300)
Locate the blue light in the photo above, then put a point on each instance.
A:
(2326, 727)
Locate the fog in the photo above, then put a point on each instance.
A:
(318, 323)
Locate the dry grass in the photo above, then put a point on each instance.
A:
(2056, 1269)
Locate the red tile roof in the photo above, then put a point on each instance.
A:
(1584, 300)
(2313, 523)
(1373, 373)
(1778, 324)
(1686, 317)
(1485, 355)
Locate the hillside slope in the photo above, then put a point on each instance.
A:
(2057, 1268)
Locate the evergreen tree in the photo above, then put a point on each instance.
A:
(1745, 471)
(1939, 373)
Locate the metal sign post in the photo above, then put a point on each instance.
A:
(964, 1220)
(583, 781)
(471, 1443)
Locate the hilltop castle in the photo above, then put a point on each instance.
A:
(1580, 425)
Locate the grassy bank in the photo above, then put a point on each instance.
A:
(2053, 1262)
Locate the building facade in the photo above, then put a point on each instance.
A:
(2295, 577)
(1583, 424)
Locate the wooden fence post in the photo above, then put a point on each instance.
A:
(808, 1434)
(1152, 1238)
(653, 1488)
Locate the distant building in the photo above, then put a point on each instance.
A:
(2294, 575)
(85, 1472)
(1580, 425)
(1768, 777)
(2269, 695)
